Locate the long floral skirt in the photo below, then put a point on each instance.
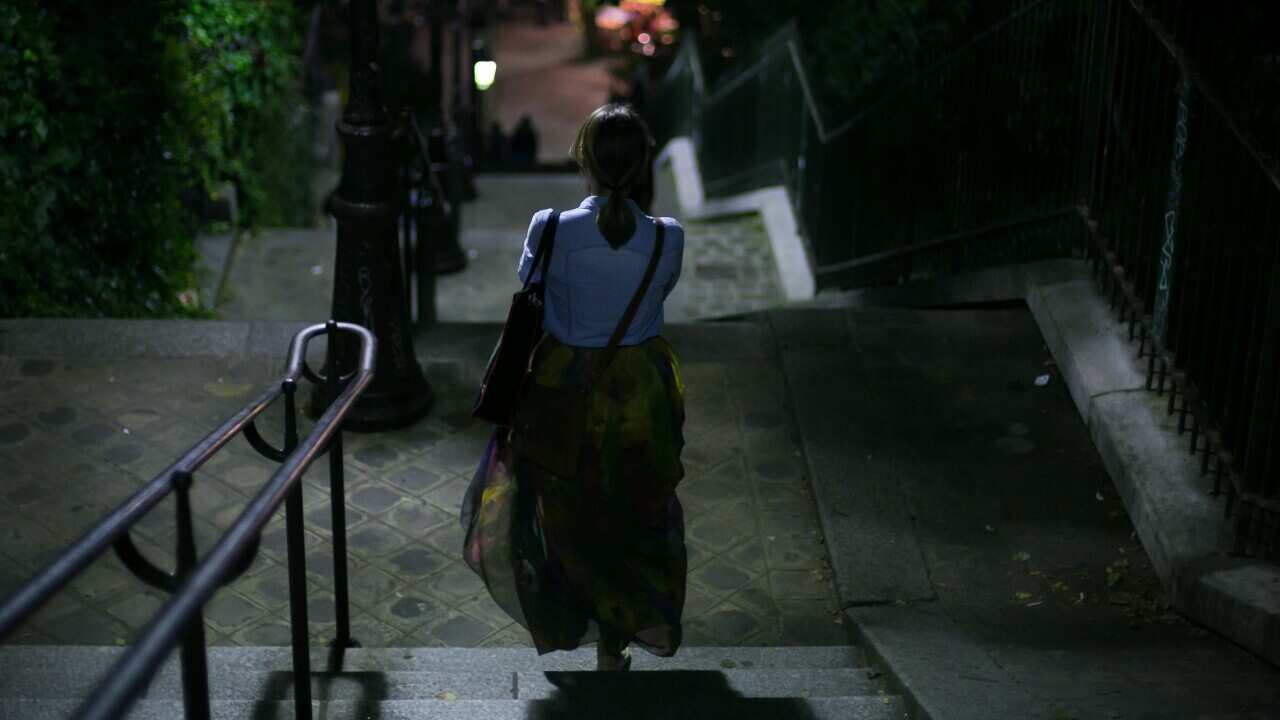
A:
(601, 553)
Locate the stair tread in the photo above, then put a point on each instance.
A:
(92, 660)
(254, 685)
(711, 707)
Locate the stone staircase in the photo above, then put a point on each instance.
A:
(783, 683)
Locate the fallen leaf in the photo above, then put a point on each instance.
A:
(446, 695)
(1022, 556)
(1022, 596)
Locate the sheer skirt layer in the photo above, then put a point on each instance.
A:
(570, 558)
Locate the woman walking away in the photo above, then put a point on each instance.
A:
(572, 518)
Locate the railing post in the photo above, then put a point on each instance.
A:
(338, 507)
(410, 201)
(296, 544)
(1169, 246)
(195, 668)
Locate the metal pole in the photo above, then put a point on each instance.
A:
(297, 561)
(1164, 283)
(195, 668)
(338, 509)
(367, 287)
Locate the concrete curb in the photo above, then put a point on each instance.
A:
(1180, 524)
(773, 204)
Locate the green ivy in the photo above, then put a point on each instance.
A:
(111, 114)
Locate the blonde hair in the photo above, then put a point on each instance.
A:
(613, 149)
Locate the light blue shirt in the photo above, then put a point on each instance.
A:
(590, 283)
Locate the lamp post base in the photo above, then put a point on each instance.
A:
(380, 408)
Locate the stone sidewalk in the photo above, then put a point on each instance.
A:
(89, 410)
(287, 274)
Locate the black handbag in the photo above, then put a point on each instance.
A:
(509, 362)
(549, 421)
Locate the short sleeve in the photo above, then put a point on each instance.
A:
(531, 240)
(674, 246)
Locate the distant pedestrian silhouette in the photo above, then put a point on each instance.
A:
(524, 143)
(496, 145)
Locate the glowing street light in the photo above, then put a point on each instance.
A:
(485, 71)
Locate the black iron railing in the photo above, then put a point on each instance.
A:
(193, 583)
(1070, 128)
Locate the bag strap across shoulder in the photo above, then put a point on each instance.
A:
(619, 332)
(546, 244)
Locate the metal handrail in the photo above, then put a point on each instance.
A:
(131, 673)
(193, 583)
(36, 591)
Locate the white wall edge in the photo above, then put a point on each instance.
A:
(792, 259)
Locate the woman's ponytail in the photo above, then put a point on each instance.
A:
(613, 149)
(615, 220)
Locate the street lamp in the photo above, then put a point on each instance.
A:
(485, 71)
(367, 281)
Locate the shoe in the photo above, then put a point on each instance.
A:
(614, 663)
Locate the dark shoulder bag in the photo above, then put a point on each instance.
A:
(509, 362)
(550, 421)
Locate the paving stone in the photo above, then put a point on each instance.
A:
(715, 533)
(371, 632)
(810, 623)
(373, 538)
(416, 517)
(57, 417)
(457, 582)
(728, 623)
(757, 597)
(407, 610)
(512, 635)
(461, 452)
(417, 562)
(697, 555)
(368, 585)
(800, 585)
(459, 630)
(720, 576)
(229, 611)
(750, 555)
(267, 631)
(448, 498)
(376, 456)
(95, 433)
(320, 515)
(36, 367)
(270, 590)
(375, 499)
(137, 608)
(796, 551)
(415, 478)
(103, 578)
(88, 626)
(780, 467)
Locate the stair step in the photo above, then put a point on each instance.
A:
(491, 685)
(708, 707)
(77, 668)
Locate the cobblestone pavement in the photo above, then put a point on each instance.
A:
(288, 274)
(77, 435)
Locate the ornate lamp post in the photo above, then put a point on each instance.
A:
(367, 281)
(446, 254)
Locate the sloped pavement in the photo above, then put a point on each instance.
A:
(978, 545)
